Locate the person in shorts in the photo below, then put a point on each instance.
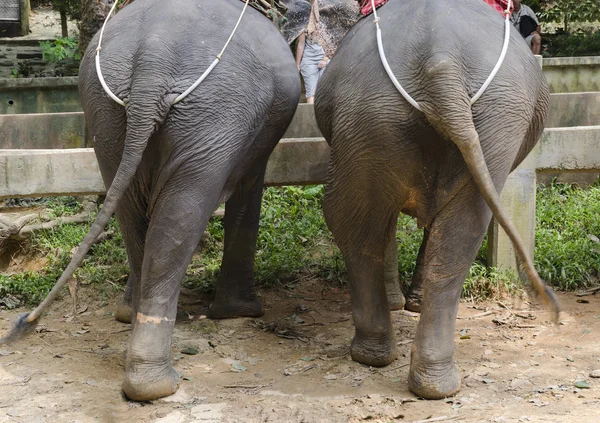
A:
(528, 25)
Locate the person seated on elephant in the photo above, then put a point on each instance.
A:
(527, 23)
(311, 59)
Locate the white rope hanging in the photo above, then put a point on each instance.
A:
(485, 85)
(186, 92)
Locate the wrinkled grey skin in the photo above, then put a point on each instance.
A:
(169, 166)
(387, 157)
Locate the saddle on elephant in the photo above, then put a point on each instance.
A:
(272, 9)
(500, 5)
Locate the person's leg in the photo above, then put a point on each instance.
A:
(536, 43)
(310, 75)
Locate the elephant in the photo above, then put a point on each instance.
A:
(443, 165)
(168, 166)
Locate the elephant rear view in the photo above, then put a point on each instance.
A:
(168, 166)
(443, 165)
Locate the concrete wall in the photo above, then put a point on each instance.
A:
(573, 74)
(42, 130)
(39, 95)
(564, 74)
(66, 130)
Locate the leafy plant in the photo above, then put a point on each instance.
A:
(23, 70)
(60, 49)
(568, 45)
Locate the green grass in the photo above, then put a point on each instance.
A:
(294, 243)
(567, 251)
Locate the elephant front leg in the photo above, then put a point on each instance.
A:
(235, 295)
(453, 242)
(392, 281)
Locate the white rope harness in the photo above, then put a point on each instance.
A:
(186, 92)
(485, 85)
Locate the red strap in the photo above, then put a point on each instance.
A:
(366, 7)
(500, 5)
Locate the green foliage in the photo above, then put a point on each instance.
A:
(569, 11)
(294, 244)
(60, 49)
(568, 45)
(485, 283)
(23, 70)
(71, 7)
(104, 266)
(567, 252)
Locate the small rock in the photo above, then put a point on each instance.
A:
(520, 383)
(178, 397)
(330, 377)
(595, 374)
(174, 417)
(208, 412)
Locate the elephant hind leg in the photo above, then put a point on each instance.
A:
(395, 296)
(133, 223)
(414, 299)
(452, 116)
(235, 295)
(362, 217)
(178, 220)
(452, 244)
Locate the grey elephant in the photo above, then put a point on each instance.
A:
(443, 165)
(169, 165)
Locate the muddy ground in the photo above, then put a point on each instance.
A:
(293, 365)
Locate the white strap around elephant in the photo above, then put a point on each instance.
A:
(485, 85)
(186, 92)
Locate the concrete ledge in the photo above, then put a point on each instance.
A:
(66, 130)
(39, 95)
(571, 61)
(46, 173)
(42, 130)
(566, 149)
(574, 109)
(42, 173)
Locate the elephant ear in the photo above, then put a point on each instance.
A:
(296, 19)
(336, 18)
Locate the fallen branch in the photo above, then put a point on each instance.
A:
(245, 386)
(26, 231)
(437, 419)
(477, 316)
(591, 291)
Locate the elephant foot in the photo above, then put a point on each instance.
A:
(414, 301)
(395, 297)
(124, 312)
(375, 352)
(145, 384)
(433, 381)
(231, 307)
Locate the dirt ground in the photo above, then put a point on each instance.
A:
(293, 365)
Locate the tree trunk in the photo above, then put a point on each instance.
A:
(93, 14)
(63, 22)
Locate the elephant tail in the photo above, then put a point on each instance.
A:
(143, 121)
(452, 116)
